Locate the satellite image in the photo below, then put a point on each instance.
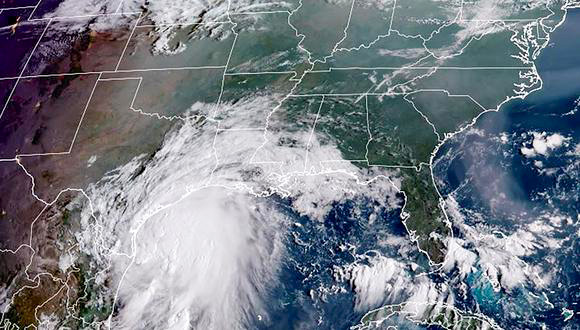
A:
(290, 164)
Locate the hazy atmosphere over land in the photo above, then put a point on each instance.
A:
(301, 164)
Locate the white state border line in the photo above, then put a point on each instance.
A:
(139, 79)
(24, 68)
(52, 75)
(33, 10)
(346, 95)
(418, 167)
(361, 68)
(16, 8)
(260, 73)
(491, 20)
(130, 264)
(30, 19)
(312, 132)
(184, 24)
(114, 303)
(210, 67)
(118, 10)
(128, 42)
(288, 12)
(61, 153)
(263, 12)
(130, 13)
(405, 67)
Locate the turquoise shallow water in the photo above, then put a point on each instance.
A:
(476, 159)
(467, 166)
(492, 179)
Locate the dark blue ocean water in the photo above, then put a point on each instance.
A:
(315, 248)
(485, 171)
(489, 177)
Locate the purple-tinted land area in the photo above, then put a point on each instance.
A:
(17, 3)
(17, 45)
(9, 17)
(5, 90)
(66, 48)
(43, 114)
(49, 6)
(44, 7)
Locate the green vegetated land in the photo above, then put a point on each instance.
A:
(443, 316)
(417, 81)
(400, 60)
(392, 88)
(411, 103)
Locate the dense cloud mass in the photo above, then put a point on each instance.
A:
(238, 198)
(193, 243)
